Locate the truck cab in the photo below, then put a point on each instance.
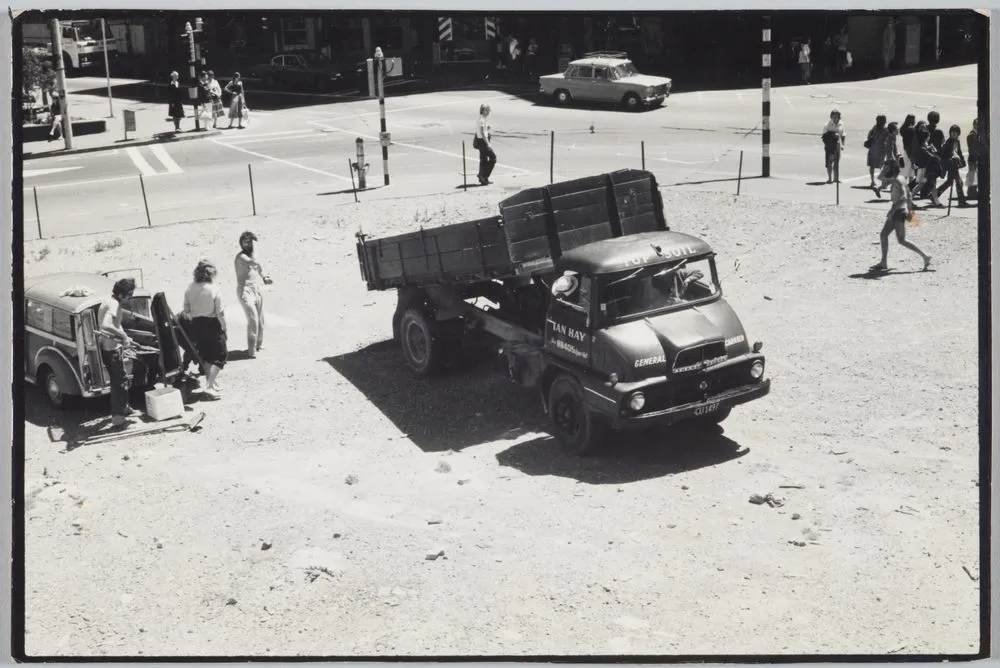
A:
(640, 326)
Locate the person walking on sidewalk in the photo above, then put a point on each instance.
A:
(487, 158)
(56, 112)
(878, 139)
(175, 106)
(895, 221)
(250, 282)
(237, 106)
(207, 318)
(834, 138)
(953, 162)
(805, 60)
(112, 342)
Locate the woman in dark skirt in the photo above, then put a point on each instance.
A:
(175, 109)
(207, 322)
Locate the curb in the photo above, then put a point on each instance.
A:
(163, 139)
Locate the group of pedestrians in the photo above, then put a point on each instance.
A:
(203, 319)
(209, 99)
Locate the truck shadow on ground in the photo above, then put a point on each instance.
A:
(627, 456)
(466, 406)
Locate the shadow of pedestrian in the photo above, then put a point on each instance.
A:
(818, 183)
(628, 456)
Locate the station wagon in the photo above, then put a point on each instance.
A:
(61, 353)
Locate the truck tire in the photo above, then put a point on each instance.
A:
(578, 430)
(424, 346)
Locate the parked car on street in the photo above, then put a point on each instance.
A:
(302, 70)
(61, 354)
(606, 76)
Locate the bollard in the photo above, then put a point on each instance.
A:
(37, 217)
(643, 155)
(253, 200)
(360, 146)
(552, 156)
(465, 178)
(950, 190)
(739, 175)
(350, 169)
(142, 184)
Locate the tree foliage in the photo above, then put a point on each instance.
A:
(37, 70)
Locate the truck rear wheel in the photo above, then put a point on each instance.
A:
(422, 342)
(578, 431)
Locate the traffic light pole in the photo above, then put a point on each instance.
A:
(193, 63)
(57, 56)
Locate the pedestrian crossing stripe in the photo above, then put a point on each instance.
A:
(491, 28)
(444, 29)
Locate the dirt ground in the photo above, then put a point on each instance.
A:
(300, 519)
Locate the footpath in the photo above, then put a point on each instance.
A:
(151, 126)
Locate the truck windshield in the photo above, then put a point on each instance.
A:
(86, 31)
(658, 287)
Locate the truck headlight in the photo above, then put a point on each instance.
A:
(757, 370)
(637, 401)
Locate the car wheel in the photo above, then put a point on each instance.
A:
(54, 391)
(632, 102)
(562, 96)
(423, 347)
(576, 429)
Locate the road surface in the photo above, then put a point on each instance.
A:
(694, 141)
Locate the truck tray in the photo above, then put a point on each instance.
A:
(535, 227)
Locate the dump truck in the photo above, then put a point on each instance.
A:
(587, 297)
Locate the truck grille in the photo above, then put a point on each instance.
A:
(686, 389)
(699, 354)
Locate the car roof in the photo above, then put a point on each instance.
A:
(48, 288)
(633, 251)
(600, 60)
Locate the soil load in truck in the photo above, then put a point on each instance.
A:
(587, 297)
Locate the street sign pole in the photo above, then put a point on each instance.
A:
(192, 62)
(383, 135)
(61, 81)
(107, 70)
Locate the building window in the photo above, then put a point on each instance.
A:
(294, 34)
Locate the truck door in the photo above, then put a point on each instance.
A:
(567, 326)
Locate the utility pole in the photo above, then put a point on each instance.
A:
(107, 71)
(765, 127)
(61, 81)
(383, 135)
(189, 32)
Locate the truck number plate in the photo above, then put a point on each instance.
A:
(710, 408)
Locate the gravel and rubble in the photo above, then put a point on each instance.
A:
(353, 472)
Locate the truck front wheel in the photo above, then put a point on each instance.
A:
(578, 431)
(422, 343)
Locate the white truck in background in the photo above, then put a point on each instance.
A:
(81, 43)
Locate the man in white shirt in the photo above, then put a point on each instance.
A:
(111, 341)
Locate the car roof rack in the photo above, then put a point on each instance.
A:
(605, 54)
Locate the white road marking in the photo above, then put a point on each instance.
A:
(85, 183)
(140, 162)
(282, 161)
(168, 162)
(268, 134)
(308, 134)
(51, 170)
(464, 100)
(413, 146)
(916, 94)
